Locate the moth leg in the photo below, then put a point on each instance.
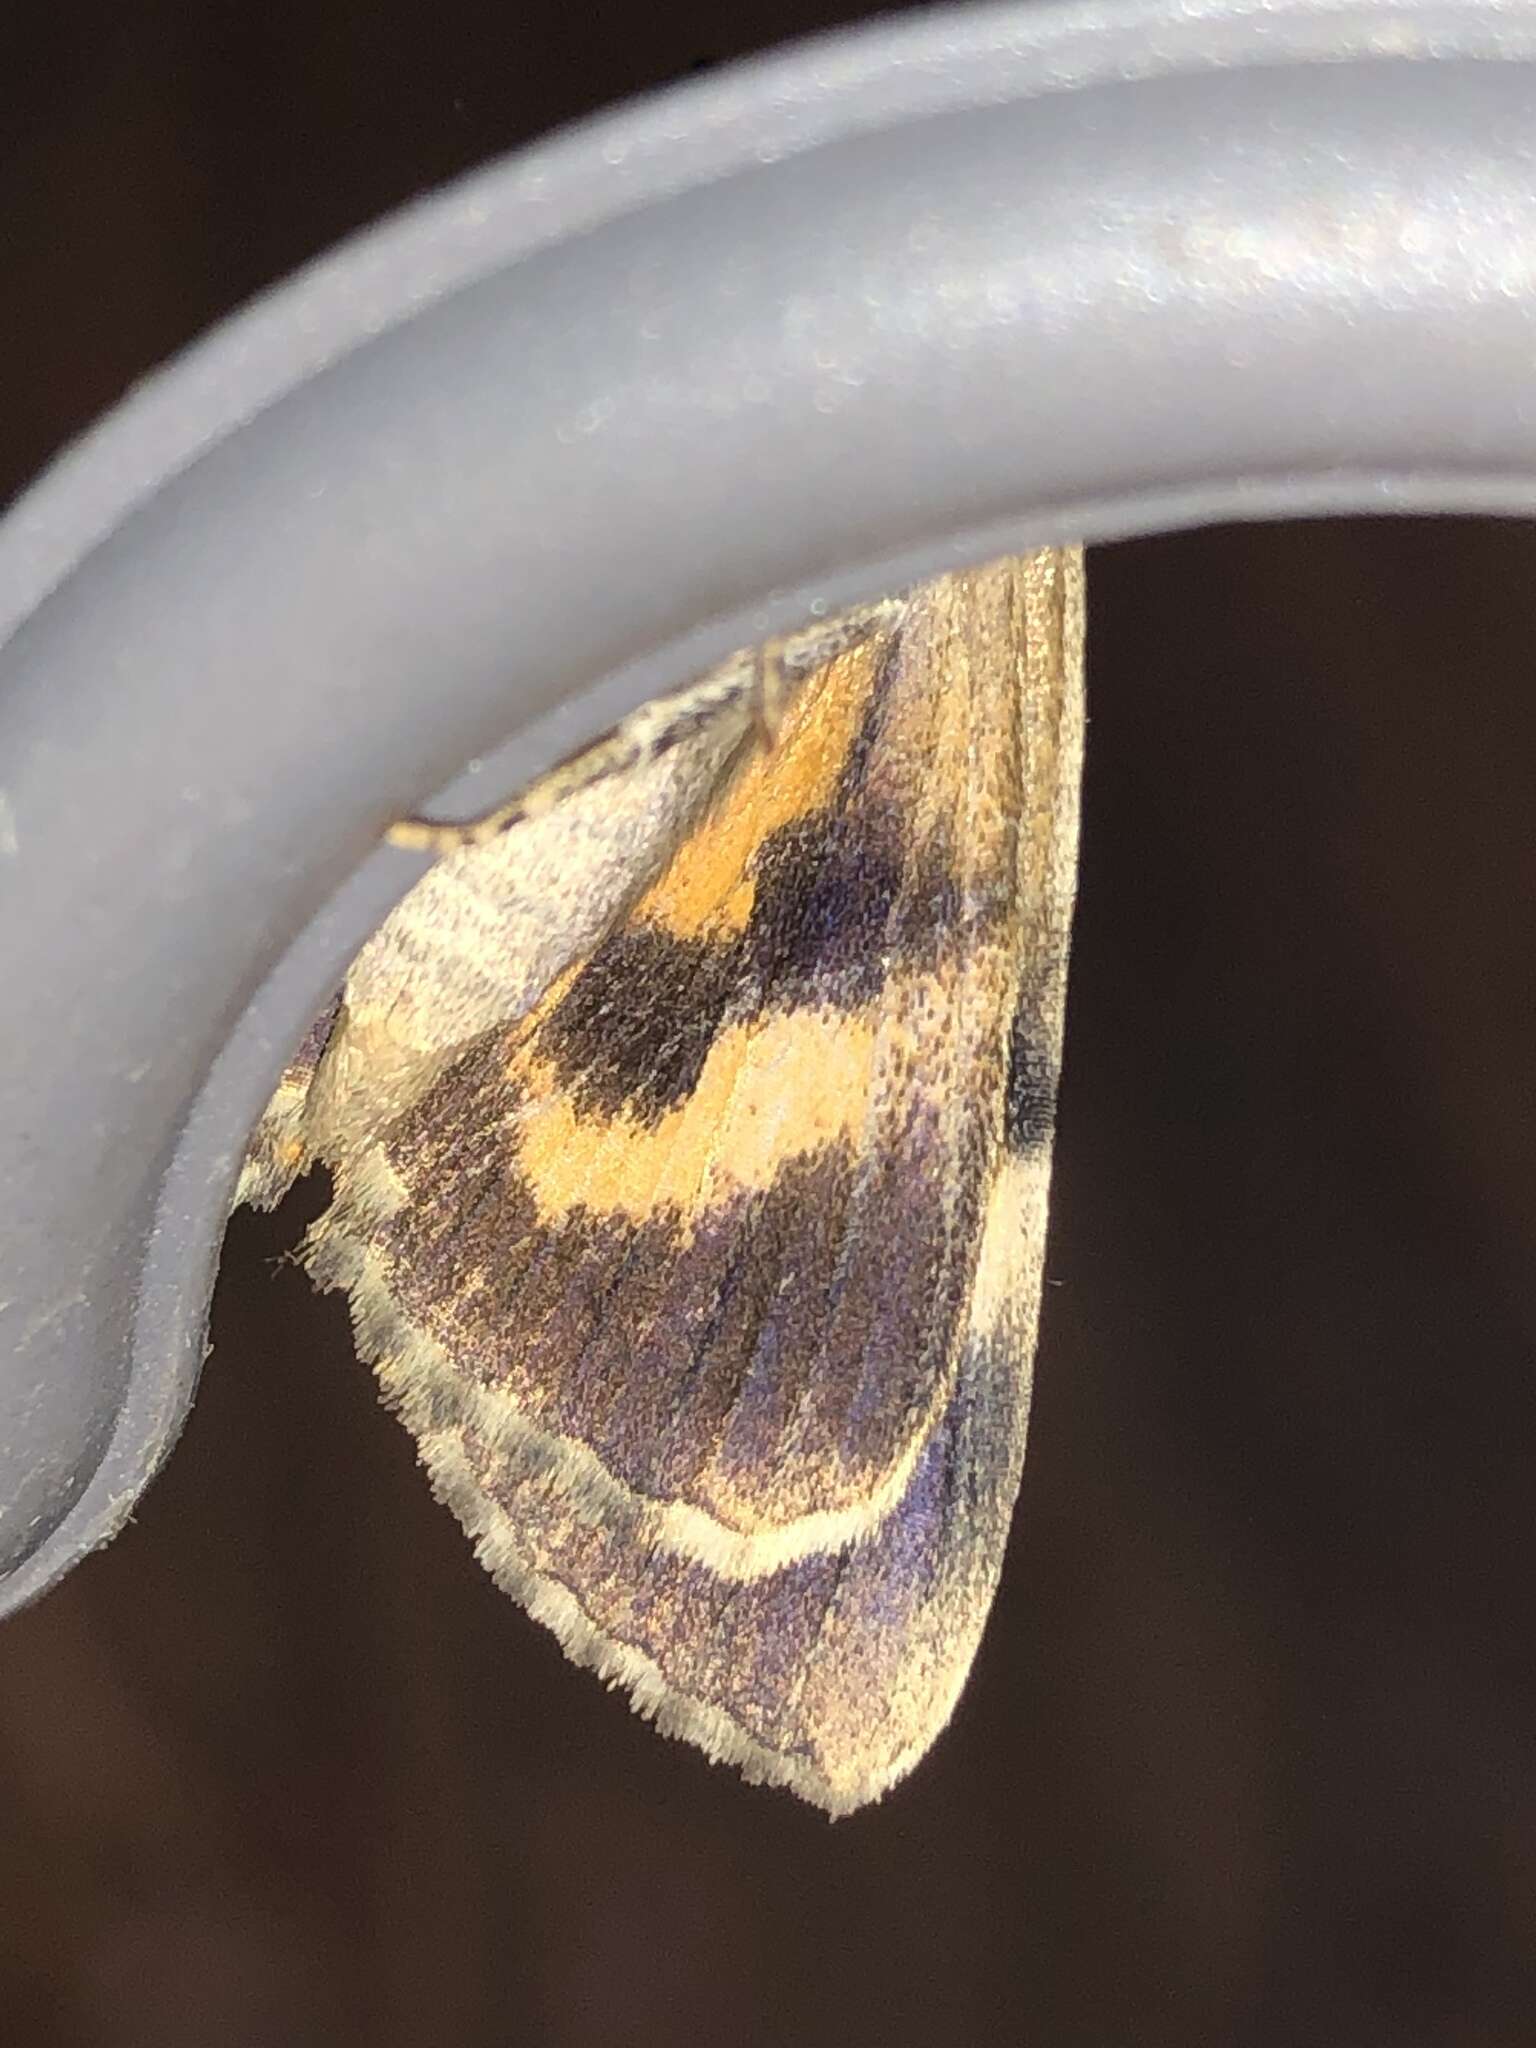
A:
(446, 835)
(762, 682)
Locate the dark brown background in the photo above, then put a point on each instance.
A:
(1250, 1753)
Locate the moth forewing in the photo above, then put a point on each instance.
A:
(691, 1137)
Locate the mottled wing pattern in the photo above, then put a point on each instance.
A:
(279, 1148)
(708, 1280)
(484, 932)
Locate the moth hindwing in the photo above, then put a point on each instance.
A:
(691, 1134)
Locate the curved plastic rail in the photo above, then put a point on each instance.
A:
(584, 422)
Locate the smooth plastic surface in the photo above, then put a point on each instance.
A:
(558, 437)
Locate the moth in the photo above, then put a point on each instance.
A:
(690, 1127)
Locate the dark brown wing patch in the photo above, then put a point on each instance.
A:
(708, 1280)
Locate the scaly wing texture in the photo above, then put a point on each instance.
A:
(486, 930)
(708, 1279)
